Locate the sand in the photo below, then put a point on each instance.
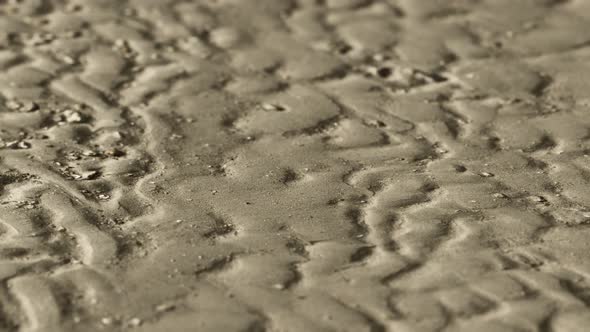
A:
(295, 165)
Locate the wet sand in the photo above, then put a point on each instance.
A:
(295, 165)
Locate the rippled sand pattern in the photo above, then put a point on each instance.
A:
(295, 165)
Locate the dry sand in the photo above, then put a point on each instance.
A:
(295, 165)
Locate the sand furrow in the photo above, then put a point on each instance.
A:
(294, 165)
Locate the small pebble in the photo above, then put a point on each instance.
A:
(272, 107)
(104, 196)
(107, 320)
(134, 322)
(165, 307)
(278, 286)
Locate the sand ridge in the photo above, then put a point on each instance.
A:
(294, 165)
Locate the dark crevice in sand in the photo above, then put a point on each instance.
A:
(215, 266)
(221, 227)
(580, 292)
(355, 216)
(361, 254)
(290, 177)
(318, 128)
(544, 84)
